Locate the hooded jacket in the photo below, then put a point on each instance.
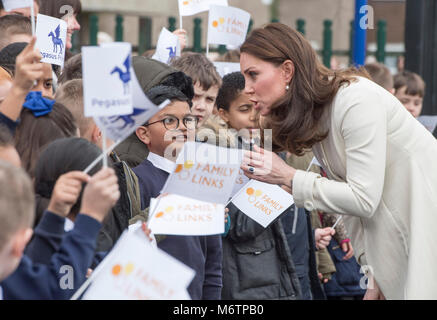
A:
(150, 73)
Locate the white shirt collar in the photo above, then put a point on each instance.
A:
(1, 293)
(161, 162)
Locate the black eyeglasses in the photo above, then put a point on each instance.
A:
(172, 123)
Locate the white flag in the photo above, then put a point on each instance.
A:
(192, 7)
(224, 68)
(134, 270)
(177, 215)
(10, 5)
(51, 38)
(240, 182)
(107, 80)
(168, 47)
(262, 202)
(227, 25)
(204, 172)
(120, 127)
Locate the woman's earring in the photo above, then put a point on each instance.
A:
(287, 87)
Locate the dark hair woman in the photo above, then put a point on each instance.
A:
(379, 160)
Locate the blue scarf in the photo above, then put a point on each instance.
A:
(37, 104)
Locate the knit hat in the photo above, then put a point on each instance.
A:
(150, 72)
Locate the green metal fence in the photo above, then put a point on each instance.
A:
(145, 37)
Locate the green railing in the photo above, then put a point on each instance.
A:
(145, 37)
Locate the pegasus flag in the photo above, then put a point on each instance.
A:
(16, 4)
(168, 47)
(224, 68)
(107, 80)
(51, 36)
(119, 126)
(192, 7)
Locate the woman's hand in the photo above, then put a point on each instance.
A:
(267, 166)
(373, 293)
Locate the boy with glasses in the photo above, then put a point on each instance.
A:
(164, 134)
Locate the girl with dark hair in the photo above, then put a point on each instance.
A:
(379, 160)
(61, 162)
(38, 128)
(57, 158)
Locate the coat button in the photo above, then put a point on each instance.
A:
(308, 205)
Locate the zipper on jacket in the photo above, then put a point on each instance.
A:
(294, 220)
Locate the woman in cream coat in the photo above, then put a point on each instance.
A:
(381, 163)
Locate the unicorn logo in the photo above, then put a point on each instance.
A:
(172, 53)
(127, 119)
(125, 77)
(57, 41)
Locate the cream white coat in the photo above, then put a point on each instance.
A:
(382, 174)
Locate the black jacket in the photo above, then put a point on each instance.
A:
(299, 234)
(257, 263)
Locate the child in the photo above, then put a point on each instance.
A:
(203, 254)
(26, 72)
(20, 278)
(410, 90)
(150, 73)
(44, 82)
(234, 105)
(5, 84)
(381, 75)
(70, 94)
(206, 82)
(8, 152)
(72, 69)
(55, 8)
(14, 28)
(257, 262)
(58, 159)
(37, 130)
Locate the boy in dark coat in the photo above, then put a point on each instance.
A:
(201, 253)
(20, 278)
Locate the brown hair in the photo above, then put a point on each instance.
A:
(230, 56)
(17, 201)
(380, 74)
(6, 139)
(412, 81)
(295, 118)
(33, 133)
(199, 68)
(70, 94)
(13, 24)
(52, 8)
(72, 69)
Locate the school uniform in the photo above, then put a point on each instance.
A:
(47, 239)
(201, 253)
(33, 281)
(8, 123)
